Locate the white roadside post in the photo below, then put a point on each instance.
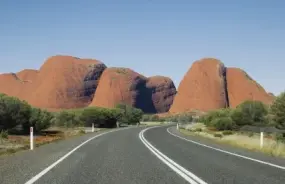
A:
(92, 127)
(31, 138)
(261, 140)
(177, 126)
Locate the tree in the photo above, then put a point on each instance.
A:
(130, 115)
(67, 119)
(251, 113)
(277, 110)
(40, 119)
(13, 112)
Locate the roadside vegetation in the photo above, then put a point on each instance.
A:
(16, 118)
(242, 126)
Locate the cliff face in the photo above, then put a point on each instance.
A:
(202, 88)
(242, 87)
(65, 82)
(61, 82)
(123, 85)
(118, 85)
(163, 91)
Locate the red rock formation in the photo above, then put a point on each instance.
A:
(11, 85)
(202, 88)
(61, 82)
(242, 87)
(27, 75)
(118, 85)
(163, 91)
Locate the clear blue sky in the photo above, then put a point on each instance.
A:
(153, 37)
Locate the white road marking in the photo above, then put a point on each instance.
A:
(227, 152)
(187, 175)
(43, 172)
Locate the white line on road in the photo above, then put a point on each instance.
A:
(187, 175)
(227, 152)
(43, 172)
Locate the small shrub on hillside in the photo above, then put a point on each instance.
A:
(223, 123)
(227, 132)
(218, 135)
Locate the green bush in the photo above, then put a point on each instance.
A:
(13, 112)
(227, 132)
(250, 113)
(101, 117)
(277, 110)
(198, 130)
(68, 119)
(215, 114)
(223, 123)
(280, 137)
(39, 119)
(218, 135)
(4, 134)
(130, 115)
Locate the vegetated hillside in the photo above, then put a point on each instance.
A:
(202, 88)
(123, 85)
(61, 82)
(242, 87)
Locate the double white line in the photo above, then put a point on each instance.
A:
(187, 175)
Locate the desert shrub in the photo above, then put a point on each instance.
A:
(208, 118)
(280, 137)
(130, 115)
(101, 117)
(223, 123)
(4, 134)
(218, 135)
(13, 112)
(227, 132)
(250, 113)
(198, 130)
(150, 117)
(67, 119)
(40, 119)
(277, 110)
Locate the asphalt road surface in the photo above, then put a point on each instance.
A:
(140, 155)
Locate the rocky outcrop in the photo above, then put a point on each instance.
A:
(202, 88)
(242, 87)
(119, 85)
(62, 82)
(123, 85)
(162, 92)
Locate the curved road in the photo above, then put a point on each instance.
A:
(140, 156)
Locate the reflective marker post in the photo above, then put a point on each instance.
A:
(177, 126)
(92, 127)
(31, 138)
(261, 140)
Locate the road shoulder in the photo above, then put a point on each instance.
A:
(229, 148)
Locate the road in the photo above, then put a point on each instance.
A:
(139, 155)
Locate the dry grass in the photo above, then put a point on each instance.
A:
(155, 123)
(249, 141)
(16, 143)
